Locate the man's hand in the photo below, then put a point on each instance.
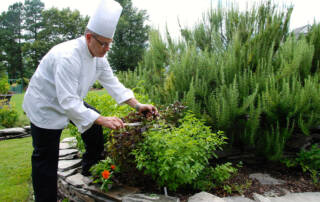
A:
(113, 123)
(146, 108)
(142, 108)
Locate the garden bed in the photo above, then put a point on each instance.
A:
(235, 179)
(295, 181)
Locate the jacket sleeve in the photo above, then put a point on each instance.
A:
(67, 82)
(112, 84)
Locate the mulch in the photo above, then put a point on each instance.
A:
(295, 181)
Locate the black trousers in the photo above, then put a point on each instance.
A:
(45, 157)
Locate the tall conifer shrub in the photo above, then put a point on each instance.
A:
(244, 72)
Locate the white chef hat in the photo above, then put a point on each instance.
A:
(105, 18)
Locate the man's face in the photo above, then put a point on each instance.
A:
(98, 45)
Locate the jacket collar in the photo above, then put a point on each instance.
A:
(85, 47)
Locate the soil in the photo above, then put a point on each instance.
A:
(295, 181)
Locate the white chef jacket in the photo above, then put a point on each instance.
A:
(63, 78)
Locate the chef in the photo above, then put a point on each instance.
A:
(55, 97)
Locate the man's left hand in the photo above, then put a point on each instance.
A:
(146, 109)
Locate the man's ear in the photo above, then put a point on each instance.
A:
(88, 37)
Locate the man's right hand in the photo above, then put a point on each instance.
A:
(113, 123)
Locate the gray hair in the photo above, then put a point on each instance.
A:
(88, 31)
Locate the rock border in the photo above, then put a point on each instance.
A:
(76, 187)
(13, 133)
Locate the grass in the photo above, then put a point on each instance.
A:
(15, 159)
(98, 92)
(23, 120)
(16, 101)
(15, 169)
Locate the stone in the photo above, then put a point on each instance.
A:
(65, 152)
(66, 173)
(87, 196)
(149, 198)
(266, 179)
(297, 197)
(27, 128)
(116, 193)
(76, 180)
(12, 131)
(69, 157)
(73, 193)
(237, 199)
(68, 164)
(67, 145)
(271, 193)
(14, 136)
(205, 197)
(69, 139)
(260, 198)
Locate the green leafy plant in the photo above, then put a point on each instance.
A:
(223, 172)
(107, 107)
(176, 156)
(240, 188)
(4, 85)
(122, 142)
(309, 161)
(220, 177)
(8, 115)
(97, 85)
(103, 173)
(213, 177)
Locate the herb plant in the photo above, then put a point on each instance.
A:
(176, 156)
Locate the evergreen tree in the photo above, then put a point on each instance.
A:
(33, 24)
(12, 40)
(58, 26)
(130, 39)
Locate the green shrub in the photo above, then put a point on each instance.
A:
(244, 72)
(176, 156)
(107, 107)
(97, 85)
(4, 85)
(122, 142)
(8, 115)
(213, 177)
(309, 161)
(313, 38)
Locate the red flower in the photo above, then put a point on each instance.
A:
(113, 167)
(105, 174)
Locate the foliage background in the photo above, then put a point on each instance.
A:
(244, 72)
(29, 31)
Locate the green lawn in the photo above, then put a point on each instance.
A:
(15, 169)
(16, 101)
(15, 160)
